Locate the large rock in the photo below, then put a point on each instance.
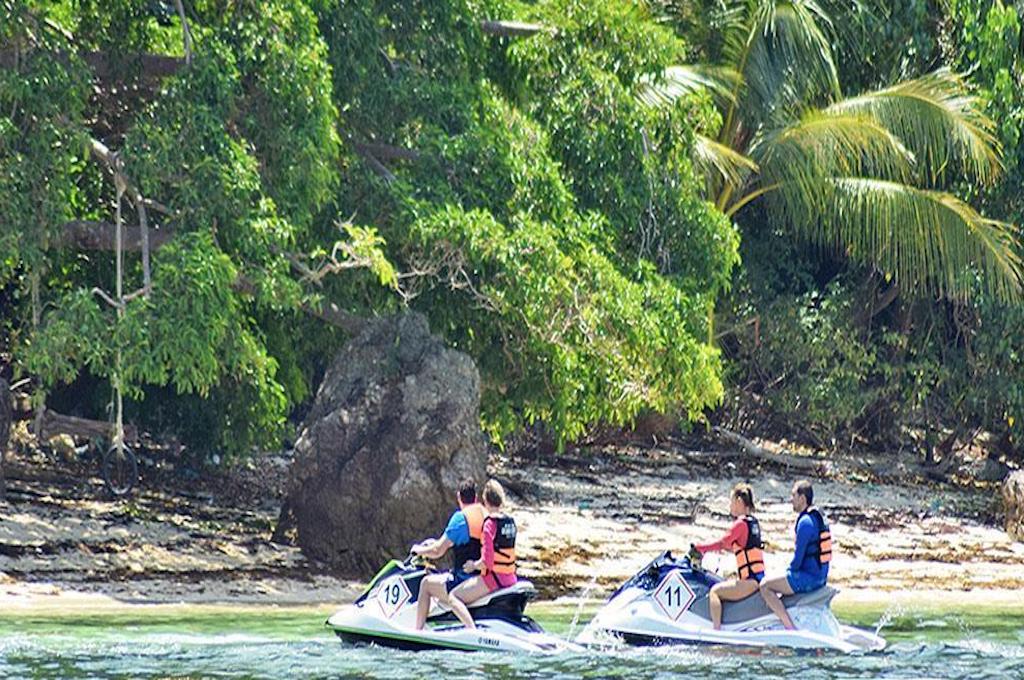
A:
(1013, 500)
(393, 429)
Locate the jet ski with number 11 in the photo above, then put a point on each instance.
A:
(385, 614)
(666, 603)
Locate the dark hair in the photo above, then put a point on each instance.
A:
(494, 495)
(467, 491)
(745, 494)
(804, 488)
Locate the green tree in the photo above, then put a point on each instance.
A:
(544, 220)
(234, 157)
(864, 176)
(548, 224)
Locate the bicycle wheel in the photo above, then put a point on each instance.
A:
(120, 470)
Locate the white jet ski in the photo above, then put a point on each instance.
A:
(385, 614)
(666, 603)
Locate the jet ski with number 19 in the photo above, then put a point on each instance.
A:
(666, 603)
(385, 615)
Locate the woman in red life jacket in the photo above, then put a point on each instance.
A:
(497, 563)
(744, 540)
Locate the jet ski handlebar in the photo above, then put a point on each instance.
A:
(414, 560)
(695, 558)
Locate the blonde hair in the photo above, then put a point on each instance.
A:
(745, 494)
(493, 494)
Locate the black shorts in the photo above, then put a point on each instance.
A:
(455, 578)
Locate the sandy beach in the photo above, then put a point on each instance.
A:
(586, 524)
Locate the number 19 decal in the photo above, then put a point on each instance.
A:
(392, 596)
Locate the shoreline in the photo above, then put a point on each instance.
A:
(39, 600)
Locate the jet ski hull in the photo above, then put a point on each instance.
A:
(385, 615)
(492, 635)
(797, 640)
(666, 604)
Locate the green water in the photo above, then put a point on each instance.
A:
(197, 642)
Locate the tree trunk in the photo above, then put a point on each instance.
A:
(5, 429)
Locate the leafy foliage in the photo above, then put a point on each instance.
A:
(870, 178)
(545, 220)
(249, 125)
(818, 365)
(851, 189)
(528, 202)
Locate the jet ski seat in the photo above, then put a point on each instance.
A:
(506, 603)
(754, 605)
(519, 589)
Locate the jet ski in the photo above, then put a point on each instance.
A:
(666, 603)
(385, 615)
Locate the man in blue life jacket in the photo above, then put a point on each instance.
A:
(809, 569)
(462, 535)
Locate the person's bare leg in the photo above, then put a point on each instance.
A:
(428, 589)
(463, 594)
(730, 591)
(771, 588)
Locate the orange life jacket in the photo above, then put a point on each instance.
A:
(474, 515)
(504, 545)
(750, 557)
(823, 547)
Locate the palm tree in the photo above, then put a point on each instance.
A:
(860, 175)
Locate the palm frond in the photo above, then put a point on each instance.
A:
(930, 241)
(819, 145)
(937, 119)
(786, 59)
(678, 81)
(720, 163)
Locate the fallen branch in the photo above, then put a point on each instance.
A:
(54, 423)
(153, 65)
(784, 458)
